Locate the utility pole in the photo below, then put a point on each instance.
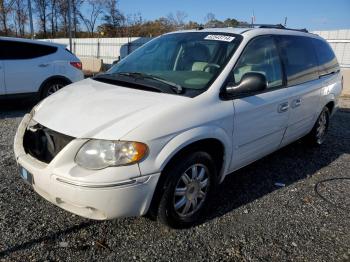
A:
(70, 24)
(31, 19)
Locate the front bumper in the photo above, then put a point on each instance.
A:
(104, 194)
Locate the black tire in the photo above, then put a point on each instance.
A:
(315, 137)
(174, 179)
(52, 86)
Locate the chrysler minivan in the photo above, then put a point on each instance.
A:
(162, 128)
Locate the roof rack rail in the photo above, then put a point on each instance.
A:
(276, 26)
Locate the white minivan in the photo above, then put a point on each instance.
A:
(36, 69)
(163, 127)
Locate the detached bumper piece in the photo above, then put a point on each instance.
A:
(44, 144)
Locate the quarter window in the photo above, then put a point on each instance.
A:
(327, 60)
(299, 58)
(13, 50)
(260, 56)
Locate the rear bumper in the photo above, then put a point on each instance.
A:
(84, 192)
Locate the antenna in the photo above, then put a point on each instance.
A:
(285, 21)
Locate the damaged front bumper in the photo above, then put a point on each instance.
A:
(96, 194)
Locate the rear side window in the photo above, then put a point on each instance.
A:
(299, 58)
(328, 61)
(12, 50)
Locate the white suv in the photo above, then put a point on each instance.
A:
(35, 68)
(157, 132)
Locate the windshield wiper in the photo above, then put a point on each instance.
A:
(109, 79)
(178, 89)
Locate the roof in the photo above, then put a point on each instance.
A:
(31, 41)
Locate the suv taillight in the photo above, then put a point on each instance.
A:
(77, 65)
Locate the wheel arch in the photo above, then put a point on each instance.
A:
(330, 105)
(208, 139)
(53, 78)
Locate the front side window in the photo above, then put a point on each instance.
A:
(299, 58)
(16, 50)
(189, 60)
(260, 56)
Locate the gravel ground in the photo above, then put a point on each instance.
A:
(250, 219)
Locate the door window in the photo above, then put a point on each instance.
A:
(260, 56)
(299, 58)
(13, 50)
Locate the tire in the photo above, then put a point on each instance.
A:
(188, 186)
(319, 132)
(52, 87)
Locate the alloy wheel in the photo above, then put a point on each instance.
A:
(191, 190)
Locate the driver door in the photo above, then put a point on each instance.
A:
(260, 119)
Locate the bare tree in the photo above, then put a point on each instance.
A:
(209, 18)
(62, 7)
(20, 13)
(53, 16)
(42, 11)
(179, 19)
(76, 5)
(5, 10)
(113, 18)
(94, 10)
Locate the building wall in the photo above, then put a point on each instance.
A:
(108, 49)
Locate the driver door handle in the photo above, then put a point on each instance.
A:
(283, 107)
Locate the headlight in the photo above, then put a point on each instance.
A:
(99, 154)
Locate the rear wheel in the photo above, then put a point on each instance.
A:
(52, 87)
(319, 132)
(188, 187)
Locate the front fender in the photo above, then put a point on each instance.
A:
(180, 141)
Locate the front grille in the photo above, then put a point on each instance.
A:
(44, 144)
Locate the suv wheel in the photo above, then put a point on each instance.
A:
(319, 132)
(188, 187)
(52, 87)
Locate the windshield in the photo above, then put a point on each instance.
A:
(187, 62)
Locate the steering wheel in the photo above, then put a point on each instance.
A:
(211, 65)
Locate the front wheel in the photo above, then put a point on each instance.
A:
(187, 190)
(319, 132)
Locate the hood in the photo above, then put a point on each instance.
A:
(91, 109)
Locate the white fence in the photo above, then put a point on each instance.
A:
(108, 49)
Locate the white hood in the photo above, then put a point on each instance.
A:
(91, 109)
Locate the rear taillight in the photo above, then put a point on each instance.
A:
(77, 65)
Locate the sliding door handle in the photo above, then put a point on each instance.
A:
(296, 103)
(283, 107)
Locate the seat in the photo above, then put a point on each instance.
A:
(195, 57)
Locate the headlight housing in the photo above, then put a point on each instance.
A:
(99, 154)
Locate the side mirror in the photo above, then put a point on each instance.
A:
(251, 82)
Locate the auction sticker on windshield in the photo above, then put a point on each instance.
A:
(225, 38)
